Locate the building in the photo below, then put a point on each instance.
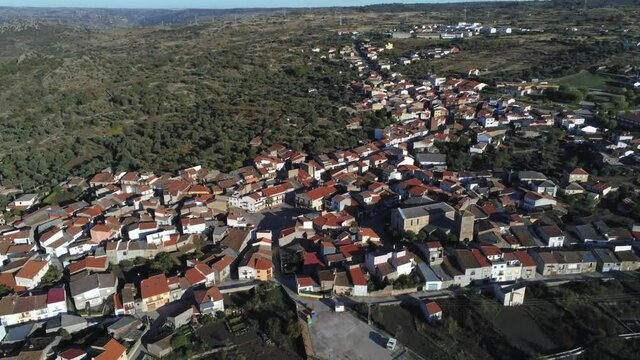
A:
(629, 120)
(432, 282)
(16, 309)
(30, 275)
(431, 311)
(315, 199)
(418, 217)
(154, 292)
(552, 235)
(256, 264)
(510, 295)
(576, 175)
(606, 260)
(91, 290)
(209, 301)
(359, 281)
(464, 225)
(111, 350)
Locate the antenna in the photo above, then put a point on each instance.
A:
(195, 19)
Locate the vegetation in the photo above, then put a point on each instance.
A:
(275, 314)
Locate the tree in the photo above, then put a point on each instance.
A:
(5, 290)
(179, 341)
(52, 276)
(162, 263)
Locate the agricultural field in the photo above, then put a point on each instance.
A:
(552, 319)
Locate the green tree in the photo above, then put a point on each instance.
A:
(163, 263)
(179, 341)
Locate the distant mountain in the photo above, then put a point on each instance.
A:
(119, 18)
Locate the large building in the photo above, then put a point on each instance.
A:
(416, 218)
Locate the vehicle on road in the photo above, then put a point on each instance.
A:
(391, 344)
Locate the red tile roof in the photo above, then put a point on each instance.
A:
(432, 308)
(154, 286)
(357, 276)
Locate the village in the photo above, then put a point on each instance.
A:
(143, 252)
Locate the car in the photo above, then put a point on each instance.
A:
(391, 344)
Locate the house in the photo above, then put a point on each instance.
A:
(431, 310)
(200, 274)
(222, 268)
(256, 265)
(91, 290)
(510, 295)
(30, 275)
(15, 309)
(154, 292)
(314, 199)
(72, 354)
(89, 263)
(209, 301)
(629, 261)
(576, 175)
(473, 264)
(111, 350)
(552, 235)
(304, 284)
(606, 260)
(23, 203)
(534, 201)
(438, 161)
(358, 280)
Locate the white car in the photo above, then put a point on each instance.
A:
(391, 344)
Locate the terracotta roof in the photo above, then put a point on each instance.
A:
(113, 350)
(211, 294)
(579, 171)
(31, 268)
(524, 258)
(357, 276)
(154, 286)
(96, 263)
(194, 276)
(71, 354)
(56, 295)
(257, 261)
(304, 281)
(222, 263)
(432, 308)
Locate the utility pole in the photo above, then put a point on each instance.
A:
(195, 19)
(465, 14)
(340, 20)
(369, 314)
(585, 5)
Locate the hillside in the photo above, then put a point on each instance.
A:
(75, 101)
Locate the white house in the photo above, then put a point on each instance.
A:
(90, 291)
(431, 310)
(30, 275)
(510, 295)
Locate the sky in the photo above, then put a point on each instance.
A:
(205, 4)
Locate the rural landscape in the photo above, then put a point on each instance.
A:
(390, 181)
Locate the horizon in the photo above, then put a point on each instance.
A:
(212, 5)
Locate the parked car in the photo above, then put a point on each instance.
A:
(391, 344)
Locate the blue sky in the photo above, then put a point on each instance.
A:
(213, 4)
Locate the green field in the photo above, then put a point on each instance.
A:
(587, 80)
